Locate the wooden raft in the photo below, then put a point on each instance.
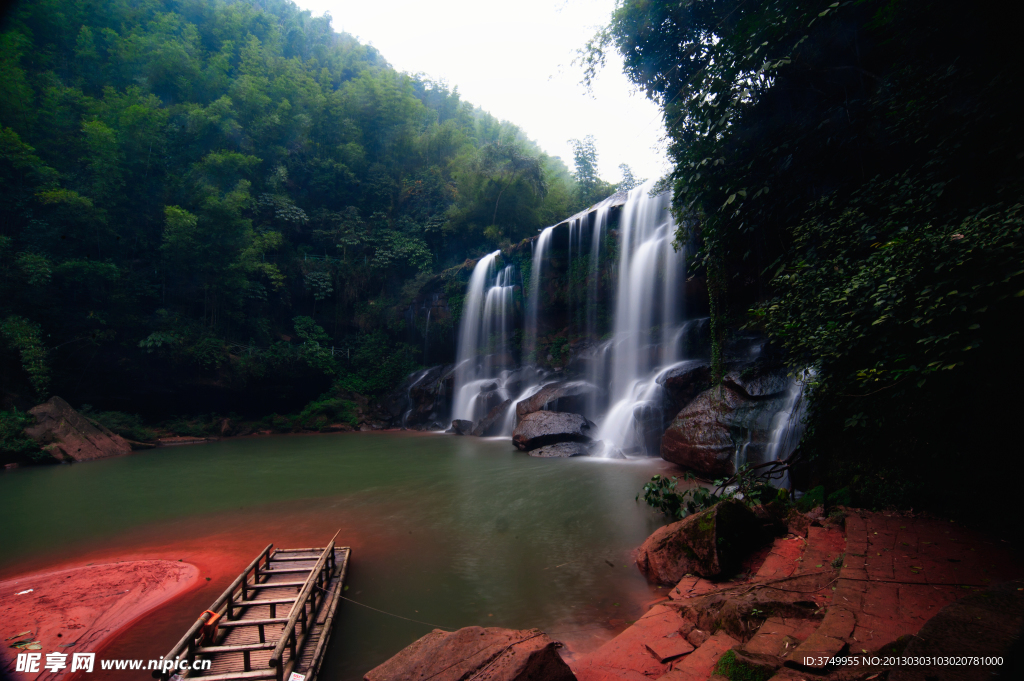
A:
(274, 619)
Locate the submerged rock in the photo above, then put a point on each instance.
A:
(707, 544)
(69, 436)
(562, 450)
(476, 652)
(490, 424)
(561, 396)
(550, 427)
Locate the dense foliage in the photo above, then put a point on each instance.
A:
(231, 196)
(853, 172)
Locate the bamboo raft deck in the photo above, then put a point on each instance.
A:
(273, 622)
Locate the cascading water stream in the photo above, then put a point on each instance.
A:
(647, 300)
(483, 349)
(533, 304)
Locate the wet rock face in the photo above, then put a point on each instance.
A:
(551, 427)
(491, 424)
(477, 652)
(69, 436)
(722, 423)
(568, 396)
(707, 544)
(424, 397)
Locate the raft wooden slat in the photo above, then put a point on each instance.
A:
(250, 641)
(253, 623)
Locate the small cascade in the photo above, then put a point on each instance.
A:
(788, 424)
(416, 378)
(426, 339)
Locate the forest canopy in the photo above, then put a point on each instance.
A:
(216, 192)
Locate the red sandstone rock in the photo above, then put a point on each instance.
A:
(706, 543)
(633, 651)
(699, 665)
(68, 435)
(490, 654)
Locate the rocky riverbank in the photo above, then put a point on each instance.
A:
(854, 585)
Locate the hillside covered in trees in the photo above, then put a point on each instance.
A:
(203, 196)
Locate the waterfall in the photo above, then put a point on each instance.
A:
(649, 333)
(533, 304)
(788, 424)
(647, 299)
(486, 326)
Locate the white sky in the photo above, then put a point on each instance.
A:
(515, 61)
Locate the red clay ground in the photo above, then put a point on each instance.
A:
(862, 587)
(79, 609)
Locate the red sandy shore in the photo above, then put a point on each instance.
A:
(82, 608)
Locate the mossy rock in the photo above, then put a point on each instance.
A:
(737, 665)
(812, 498)
(841, 497)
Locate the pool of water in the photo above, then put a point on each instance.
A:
(444, 530)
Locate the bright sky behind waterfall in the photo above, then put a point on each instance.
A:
(514, 59)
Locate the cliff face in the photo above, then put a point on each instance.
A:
(69, 436)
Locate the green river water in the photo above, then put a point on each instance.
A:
(445, 530)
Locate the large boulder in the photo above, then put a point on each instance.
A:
(475, 652)
(491, 424)
(69, 436)
(549, 427)
(719, 425)
(708, 544)
(569, 396)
